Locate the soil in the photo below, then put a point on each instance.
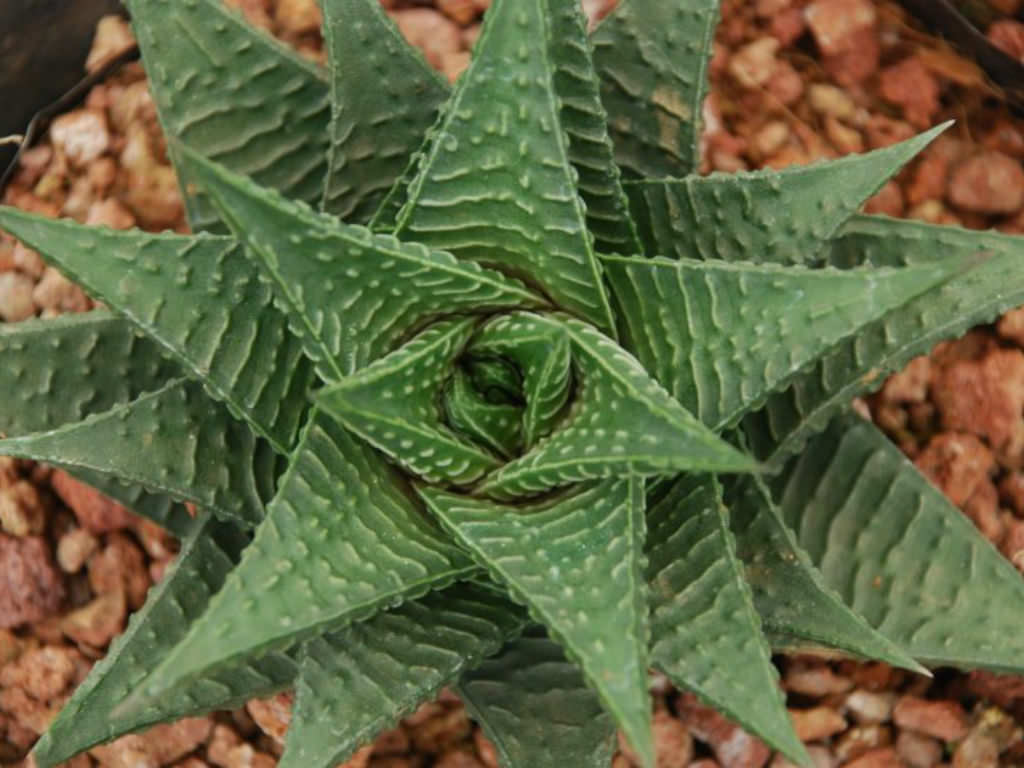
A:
(793, 81)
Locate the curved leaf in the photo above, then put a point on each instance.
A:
(535, 708)
(721, 337)
(351, 295)
(900, 554)
(511, 200)
(652, 56)
(784, 217)
(235, 94)
(355, 683)
(171, 441)
(577, 563)
(374, 130)
(229, 337)
(705, 633)
(341, 541)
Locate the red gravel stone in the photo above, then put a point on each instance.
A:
(93, 510)
(914, 88)
(734, 747)
(31, 587)
(983, 397)
(956, 463)
(944, 720)
(989, 182)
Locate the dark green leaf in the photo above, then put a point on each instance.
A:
(577, 564)
(355, 683)
(900, 554)
(705, 633)
(536, 709)
(651, 56)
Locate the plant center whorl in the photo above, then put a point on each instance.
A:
(509, 384)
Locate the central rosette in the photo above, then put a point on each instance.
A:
(520, 404)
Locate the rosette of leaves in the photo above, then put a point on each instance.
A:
(484, 387)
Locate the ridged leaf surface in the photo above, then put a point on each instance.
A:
(384, 97)
(200, 299)
(349, 294)
(783, 217)
(341, 541)
(497, 184)
(705, 634)
(621, 422)
(789, 593)
(900, 554)
(720, 337)
(577, 564)
(652, 58)
(209, 550)
(535, 708)
(236, 95)
(994, 284)
(355, 683)
(171, 441)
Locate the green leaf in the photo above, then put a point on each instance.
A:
(789, 592)
(351, 295)
(993, 285)
(577, 563)
(536, 709)
(236, 95)
(60, 370)
(497, 184)
(721, 337)
(171, 441)
(197, 297)
(622, 422)
(498, 426)
(374, 129)
(705, 633)
(900, 554)
(209, 550)
(355, 683)
(652, 56)
(342, 540)
(785, 217)
(585, 123)
(394, 404)
(543, 356)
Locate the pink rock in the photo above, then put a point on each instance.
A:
(913, 87)
(956, 463)
(834, 22)
(82, 135)
(816, 723)
(989, 182)
(94, 510)
(984, 397)
(733, 747)
(944, 720)
(31, 587)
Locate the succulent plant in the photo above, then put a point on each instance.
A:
(525, 409)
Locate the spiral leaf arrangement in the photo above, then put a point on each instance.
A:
(525, 409)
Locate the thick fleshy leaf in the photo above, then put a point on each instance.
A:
(536, 709)
(900, 554)
(351, 295)
(652, 56)
(789, 593)
(342, 540)
(543, 356)
(622, 422)
(784, 217)
(374, 130)
(61, 370)
(197, 297)
(172, 441)
(585, 122)
(355, 683)
(209, 550)
(236, 95)
(993, 285)
(498, 426)
(497, 184)
(577, 563)
(705, 634)
(721, 337)
(395, 405)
